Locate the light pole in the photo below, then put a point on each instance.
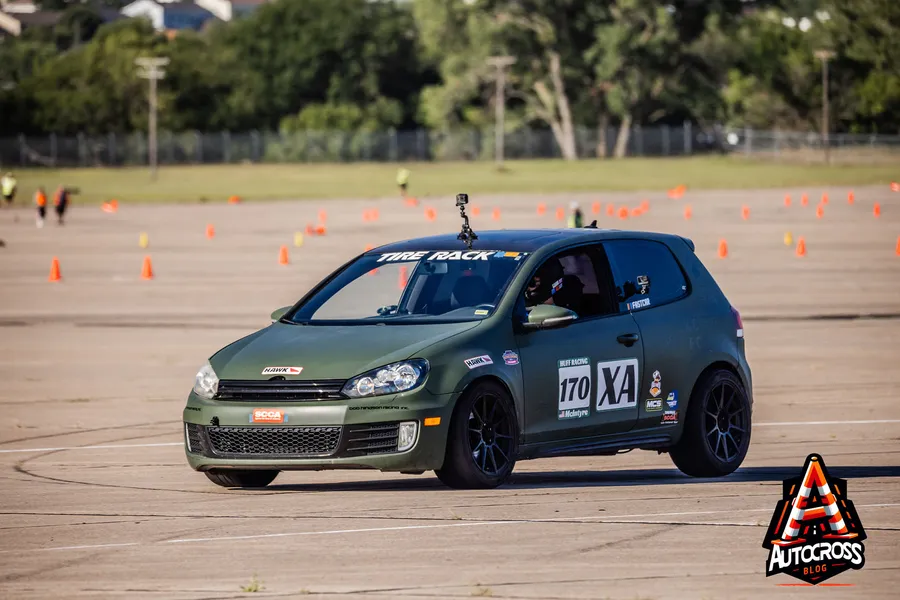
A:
(153, 70)
(825, 56)
(500, 63)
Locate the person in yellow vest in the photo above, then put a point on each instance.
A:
(402, 181)
(8, 188)
(61, 202)
(576, 218)
(40, 201)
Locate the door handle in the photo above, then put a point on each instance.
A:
(628, 339)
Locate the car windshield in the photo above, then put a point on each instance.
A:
(428, 286)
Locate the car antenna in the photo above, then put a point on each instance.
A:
(593, 225)
(466, 235)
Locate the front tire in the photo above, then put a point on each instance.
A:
(483, 439)
(241, 479)
(716, 432)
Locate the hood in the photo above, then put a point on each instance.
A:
(328, 352)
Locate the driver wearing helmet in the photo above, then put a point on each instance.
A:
(550, 285)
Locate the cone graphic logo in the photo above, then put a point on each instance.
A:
(815, 532)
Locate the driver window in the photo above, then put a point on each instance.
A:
(569, 279)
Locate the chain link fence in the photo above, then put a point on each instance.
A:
(115, 150)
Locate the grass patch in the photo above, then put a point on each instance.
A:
(255, 585)
(215, 183)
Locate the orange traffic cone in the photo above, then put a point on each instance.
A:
(820, 211)
(541, 209)
(645, 205)
(610, 210)
(801, 247)
(323, 216)
(825, 198)
(476, 210)
(283, 256)
(850, 197)
(310, 230)
(895, 186)
(402, 277)
(430, 214)
(210, 232)
(55, 275)
(745, 212)
(114, 204)
(320, 229)
(804, 200)
(876, 210)
(106, 207)
(636, 212)
(787, 200)
(595, 208)
(623, 212)
(234, 200)
(560, 214)
(723, 249)
(147, 269)
(688, 213)
(897, 251)
(496, 214)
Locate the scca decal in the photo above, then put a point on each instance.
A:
(616, 387)
(267, 415)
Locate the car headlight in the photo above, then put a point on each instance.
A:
(206, 383)
(390, 379)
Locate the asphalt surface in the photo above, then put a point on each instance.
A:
(97, 500)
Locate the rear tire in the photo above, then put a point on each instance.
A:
(716, 432)
(483, 439)
(242, 479)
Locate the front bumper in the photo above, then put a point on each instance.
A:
(334, 434)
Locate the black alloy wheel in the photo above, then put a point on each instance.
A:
(717, 427)
(482, 439)
(490, 434)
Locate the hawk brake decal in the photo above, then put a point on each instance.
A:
(282, 370)
(510, 358)
(574, 388)
(478, 361)
(815, 532)
(616, 384)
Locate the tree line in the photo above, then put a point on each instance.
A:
(368, 65)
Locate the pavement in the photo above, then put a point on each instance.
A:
(97, 500)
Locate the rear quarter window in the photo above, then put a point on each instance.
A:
(645, 274)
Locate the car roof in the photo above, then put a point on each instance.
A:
(521, 240)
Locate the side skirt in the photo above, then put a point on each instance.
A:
(595, 446)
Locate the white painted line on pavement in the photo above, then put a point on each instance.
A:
(795, 423)
(260, 536)
(107, 447)
(115, 446)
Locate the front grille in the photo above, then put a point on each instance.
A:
(194, 437)
(284, 442)
(279, 390)
(375, 438)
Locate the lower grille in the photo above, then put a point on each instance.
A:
(375, 438)
(194, 437)
(284, 442)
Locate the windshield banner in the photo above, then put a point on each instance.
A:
(450, 255)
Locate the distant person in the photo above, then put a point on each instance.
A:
(576, 218)
(8, 186)
(403, 181)
(40, 201)
(61, 202)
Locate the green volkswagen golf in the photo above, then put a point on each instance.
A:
(464, 354)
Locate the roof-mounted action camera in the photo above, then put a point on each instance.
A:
(466, 235)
